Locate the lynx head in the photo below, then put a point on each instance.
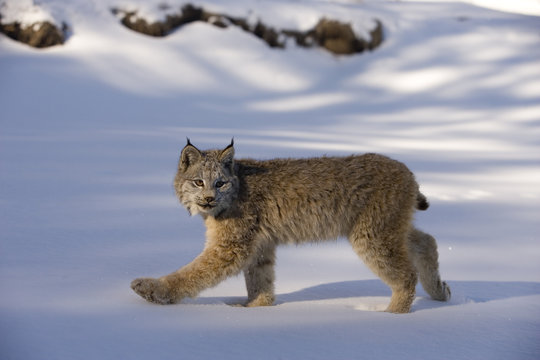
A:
(205, 182)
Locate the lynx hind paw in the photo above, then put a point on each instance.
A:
(446, 291)
(152, 290)
(442, 292)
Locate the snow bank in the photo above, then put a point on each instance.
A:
(25, 12)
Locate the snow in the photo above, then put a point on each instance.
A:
(90, 133)
(24, 12)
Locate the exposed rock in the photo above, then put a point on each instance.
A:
(377, 36)
(337, 37)
(268, 34)
(188, 14)
(39, 35)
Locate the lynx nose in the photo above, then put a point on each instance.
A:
(209, 199)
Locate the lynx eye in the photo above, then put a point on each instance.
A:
(198, 183)
(220, 183)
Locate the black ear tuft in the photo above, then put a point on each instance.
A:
(230, 145)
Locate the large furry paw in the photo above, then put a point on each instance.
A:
(153, 290)
(447, 294)
(261, 300)
(401, 301)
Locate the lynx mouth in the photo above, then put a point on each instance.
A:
(207, 206)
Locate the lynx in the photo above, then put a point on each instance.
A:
(249, 207)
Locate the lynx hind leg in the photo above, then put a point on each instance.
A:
(387, 256)
(259, 276)
(423, 252)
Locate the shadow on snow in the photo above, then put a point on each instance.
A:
(463, 292)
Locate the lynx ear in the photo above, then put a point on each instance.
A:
(190, 155)
(227, 156)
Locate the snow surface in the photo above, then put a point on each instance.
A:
(25, 12)
(90, 133)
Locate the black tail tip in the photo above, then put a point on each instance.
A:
(421, 202)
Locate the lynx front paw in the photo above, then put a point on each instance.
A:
(153, 290)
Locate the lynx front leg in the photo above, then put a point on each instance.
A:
(259, 275)
(218, 261)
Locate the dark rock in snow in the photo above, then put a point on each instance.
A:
(188, 14)
(336, 37)
(39, 35)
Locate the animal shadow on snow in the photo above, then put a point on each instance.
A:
(463, 292)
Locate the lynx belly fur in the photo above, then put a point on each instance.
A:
(249, 207)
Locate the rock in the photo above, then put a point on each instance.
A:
(336, 37)
(377, 36)
(188, 14)
(39, 35)
(268, 34)
(141, 26)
